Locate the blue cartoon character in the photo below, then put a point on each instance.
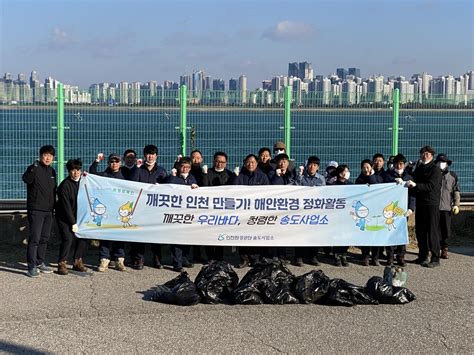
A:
(390, 213)
(98, 212)
(125, 214)
(360, 214)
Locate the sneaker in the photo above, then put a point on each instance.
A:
(156, 263)
(298, 262)
(104, 265)
(178, 269)
(188, 265)
(444, 253)
(432, 264)
(390, 261)
(138, 264)
(420, 261)
(337, 261)
(401, 260)
(62, 268)
(120, 264)
(314, 261)
(344, 261)
(44, 269)
(33, 272)
(79, 266)
(425, 263)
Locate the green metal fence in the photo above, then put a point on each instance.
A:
(345, 127)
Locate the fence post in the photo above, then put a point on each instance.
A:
(287, 123)
(60, 131)
(395, 129)
(183, 122)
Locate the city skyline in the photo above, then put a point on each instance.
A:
(91, 42)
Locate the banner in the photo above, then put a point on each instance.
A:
(358, 215)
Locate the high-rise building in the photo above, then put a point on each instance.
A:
(218, 85)
(293, 69)
(276, 83)
(355, 72)
(123, 92)
(134, 93)
(243, 88)
(471, 80)
(266, 84)
(341, 73)
(305, 71)
(186, 80)
(233, 84)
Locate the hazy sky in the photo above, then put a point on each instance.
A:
(83, 41)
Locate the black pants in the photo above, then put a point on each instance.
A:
(180, 254)
(214, 252)
(137, 251)
(374, 251)
(399, 250)
(339, 251)
(306, 252)
(445, 227)
(40, 223)
(427, 231)
(67, 240)
(109, 247)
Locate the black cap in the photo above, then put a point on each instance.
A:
(443, 158)
(114, 156)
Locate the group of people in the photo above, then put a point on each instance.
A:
(433, 190)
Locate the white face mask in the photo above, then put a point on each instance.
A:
(443, 165)
(76, 180)
(150, 163)
(399, 171)
(347, 175)
(219, 170)
(184, 176)
(278, 151)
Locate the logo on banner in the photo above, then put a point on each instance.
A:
(360, 214)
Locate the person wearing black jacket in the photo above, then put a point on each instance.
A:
(149, 173)
(426, 185)
(66, 218)
(106, 246)
(129, 168)
(40, 180)
(342, 175)
(250, 175)
(368, 176)
(180, 253)
(399, 175)
(218, 175)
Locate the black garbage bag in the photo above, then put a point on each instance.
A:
(180, 291)
(342, 293)
(385, 293)
(216, 281)
(311, 287)
(267, 282)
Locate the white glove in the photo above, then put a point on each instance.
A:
(372, 172)
(178, 158)
(139, 162)
(204, 169)
(174, 172)
(455, 209)
(75, 228)
(399, 181)
(278, 172)
(301, 171)
(411, 183)
(194, 186)
(237, 171)
(408, 213)
(100, 156)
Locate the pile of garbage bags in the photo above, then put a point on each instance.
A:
(270, 282)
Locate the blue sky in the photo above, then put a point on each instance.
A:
(83, 42)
